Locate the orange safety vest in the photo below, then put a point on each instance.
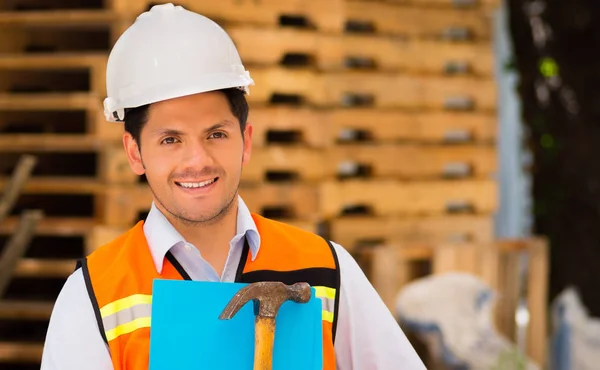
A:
(119, 277)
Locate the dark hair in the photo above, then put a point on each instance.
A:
(136, 118)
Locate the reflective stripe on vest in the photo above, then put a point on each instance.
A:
(327, 296)
(134, 312)
(126, 315)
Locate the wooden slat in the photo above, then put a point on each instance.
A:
(54, 226)
(335, 89)
(61, 185)
(388, 197)
(428, 127)
(301, 200)
(390, 90)
(409, 56)
(49, 142)
(449, 3)
(11, 352)
(353, 231)
(326, 15)
(305, 123)
(379, 161)
(388, 18)
(29, 267)
(94, 62)
(274, 43)
(299, 82)
(122, 204)
(318, 127)
(413, 161)
(53, 61)
(60, 18)
(19, 310)
(330, 52)
(306, 164)
(51, 101)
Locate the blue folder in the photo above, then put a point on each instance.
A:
(186, 332)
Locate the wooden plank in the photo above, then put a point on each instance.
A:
(37, 38)
(330, 52)
(13, 352)
(388, 18)
(43, 268)
(407, 55)
(393, 125)
(299, 125)
(296, 163)
(354, 231)
(61, 185)
(94, 63)
(450, 3)
(58, 18)
(120, 205)
(49, 142)
(112, 163)
(384, 273)
(325, 15)
(325, 127)
(431, 92)
(412, 161)
(372, 161)
(25, 310)
(53, 226)
(50, 101)
(95, 124)
(303, 84)
(537, 298)
(275, 43)
(373, 89)
(388, 197)
(296, 200)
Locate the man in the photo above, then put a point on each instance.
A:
(177, 82)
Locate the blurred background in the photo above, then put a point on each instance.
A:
(450, 145)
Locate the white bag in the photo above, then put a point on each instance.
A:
(576, 336)
(452, 312)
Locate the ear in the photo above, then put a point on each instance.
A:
(133, 154)
(247, 143)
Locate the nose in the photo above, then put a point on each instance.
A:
(196, 155)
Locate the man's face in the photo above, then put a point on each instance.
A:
(192, 153)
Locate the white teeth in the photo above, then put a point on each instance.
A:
(196, 184)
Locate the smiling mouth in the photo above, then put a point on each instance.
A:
(193, 185)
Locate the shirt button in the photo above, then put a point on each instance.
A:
(188, 247)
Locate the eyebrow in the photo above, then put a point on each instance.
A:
(219, 125)
(174, 132)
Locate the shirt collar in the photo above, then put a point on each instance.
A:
(162, 236)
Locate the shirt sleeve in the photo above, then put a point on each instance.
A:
(368, 336)
(73, 340)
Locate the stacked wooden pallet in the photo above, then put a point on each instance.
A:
(374, 118)
(52, 60)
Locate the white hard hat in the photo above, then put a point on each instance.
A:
(170, 52)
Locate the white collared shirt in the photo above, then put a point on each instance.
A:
(367, 338)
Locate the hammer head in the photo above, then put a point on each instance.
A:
(267, 297)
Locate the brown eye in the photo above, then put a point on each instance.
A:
(169, 140)
(218, 135)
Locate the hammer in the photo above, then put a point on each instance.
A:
(267, 297)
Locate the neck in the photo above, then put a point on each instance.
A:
(211, 238)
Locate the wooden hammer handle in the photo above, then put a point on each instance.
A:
(264, 337)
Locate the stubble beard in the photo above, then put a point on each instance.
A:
(210, 220)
